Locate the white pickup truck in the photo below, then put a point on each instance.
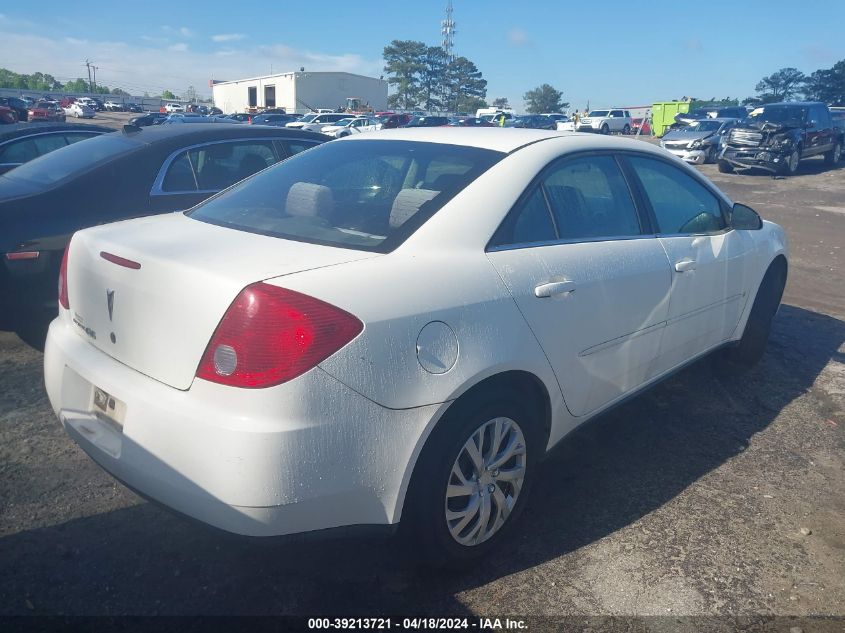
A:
(606, 121)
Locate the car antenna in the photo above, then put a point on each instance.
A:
(131, 129)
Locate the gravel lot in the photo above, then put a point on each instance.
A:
(711, 494)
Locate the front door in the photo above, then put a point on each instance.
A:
(592, 286)
(707, 260)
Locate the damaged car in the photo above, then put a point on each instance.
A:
(777, 136)
(699, 142)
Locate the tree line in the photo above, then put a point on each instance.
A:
(43, 82)
(423, 77)
(824, 84)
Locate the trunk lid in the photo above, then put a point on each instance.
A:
(159, 317)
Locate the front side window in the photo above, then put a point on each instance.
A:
(367, 195)
(680, 203)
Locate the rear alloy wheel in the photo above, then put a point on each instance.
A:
(833, 156)
(472, 479)
(485, 482)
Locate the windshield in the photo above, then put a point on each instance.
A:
(343, 122)
(72, 160)
(703, 126)
(366, 195)
(782, 115)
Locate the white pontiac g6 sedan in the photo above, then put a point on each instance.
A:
(399, 327)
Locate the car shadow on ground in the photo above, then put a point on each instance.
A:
(608, 474)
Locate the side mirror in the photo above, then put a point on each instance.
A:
(745, 218)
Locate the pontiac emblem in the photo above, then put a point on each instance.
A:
(110, 302)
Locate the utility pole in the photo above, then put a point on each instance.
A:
(88, 65)
(95, 77)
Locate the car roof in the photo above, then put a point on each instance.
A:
(21, 130)
(199, 132)
(498, 139)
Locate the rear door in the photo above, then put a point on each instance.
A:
(820, 133)
(707, 258)
(590, 280)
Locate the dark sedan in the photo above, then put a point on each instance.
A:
(272, 119)
(428, 121)
(113, 177)
(20, 106)
(150, 118)
(22, 143)
(536, 122)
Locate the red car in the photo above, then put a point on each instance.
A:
(7, 115)
(390, 120)
(637, 124)
(44, 111)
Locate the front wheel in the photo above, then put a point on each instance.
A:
(473, 478)
(725, 167)
(751, 346)
(712, 154)
(605, 129)
(790, 165)
(833, 156)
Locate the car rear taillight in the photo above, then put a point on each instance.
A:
(270, 335)
(63, 299)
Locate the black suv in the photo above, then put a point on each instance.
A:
(776, 136)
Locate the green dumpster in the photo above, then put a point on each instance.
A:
(663, 115)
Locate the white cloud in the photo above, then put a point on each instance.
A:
(518, 37)
(184, 31)
(227, 37)
(148, 67)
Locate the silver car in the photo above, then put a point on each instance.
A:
(700, 141)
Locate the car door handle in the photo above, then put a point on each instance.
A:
(553, 288)
(685, 265)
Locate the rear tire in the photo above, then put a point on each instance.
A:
(833, 156)
(626, 130)
(725, 167)
(752, 345)
(433, 510)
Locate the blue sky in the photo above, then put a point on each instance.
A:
(609, 52)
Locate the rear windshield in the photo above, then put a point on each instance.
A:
(72, 160)
(367, 195)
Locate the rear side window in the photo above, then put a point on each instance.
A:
(681, 204)
(216, 166)
(589, 199)
(368, 195)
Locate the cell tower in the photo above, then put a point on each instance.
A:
(447, 30)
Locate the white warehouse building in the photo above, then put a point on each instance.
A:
(299, 92)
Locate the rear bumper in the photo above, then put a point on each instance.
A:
(308, 455)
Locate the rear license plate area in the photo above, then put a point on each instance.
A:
(106, 406)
